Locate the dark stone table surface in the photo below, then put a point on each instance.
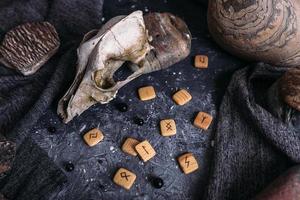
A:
(95, 167)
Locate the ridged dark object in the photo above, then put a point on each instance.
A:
(7, 155)
(289, 87)
(2, 197)
(27, 47)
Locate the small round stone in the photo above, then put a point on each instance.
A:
(101, 186)
(122, 107)
(69, 166)
(51, 129)
(139, 121)
(157, 182)
(100, 161)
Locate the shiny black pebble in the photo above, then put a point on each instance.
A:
(69, 166)
(122, 107)
(101, 187)
(100, 161)
(157, 182)
(139, 121)
(51, 129)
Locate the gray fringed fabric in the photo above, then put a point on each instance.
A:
(257, 136)
(23, 100)
(33, 174)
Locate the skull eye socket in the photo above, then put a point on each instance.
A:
(104, 83)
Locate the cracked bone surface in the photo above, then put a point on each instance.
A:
(149, 43)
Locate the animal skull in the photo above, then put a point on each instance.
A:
(149, 43)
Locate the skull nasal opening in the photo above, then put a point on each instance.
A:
(107, 79)
(123, 72)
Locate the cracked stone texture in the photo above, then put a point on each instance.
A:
(95, 167)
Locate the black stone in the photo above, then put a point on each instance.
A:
(122, 107)
(138, 121)
(69, 166)
(157, 182)
(101, 187)
(51, 129)
(100, 161)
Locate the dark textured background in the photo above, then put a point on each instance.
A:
(206, 87)
(95, 167)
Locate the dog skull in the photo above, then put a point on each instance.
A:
(123, 38)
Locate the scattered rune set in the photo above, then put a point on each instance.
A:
(144, 149)
(48, 43)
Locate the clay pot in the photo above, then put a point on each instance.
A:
(285, 187)
(259, 30)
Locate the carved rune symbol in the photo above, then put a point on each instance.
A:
(168, 126)
(145, 149)
(124, 175)
(202, 59)
(93, 135)
(203, 119)
(187, 162)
